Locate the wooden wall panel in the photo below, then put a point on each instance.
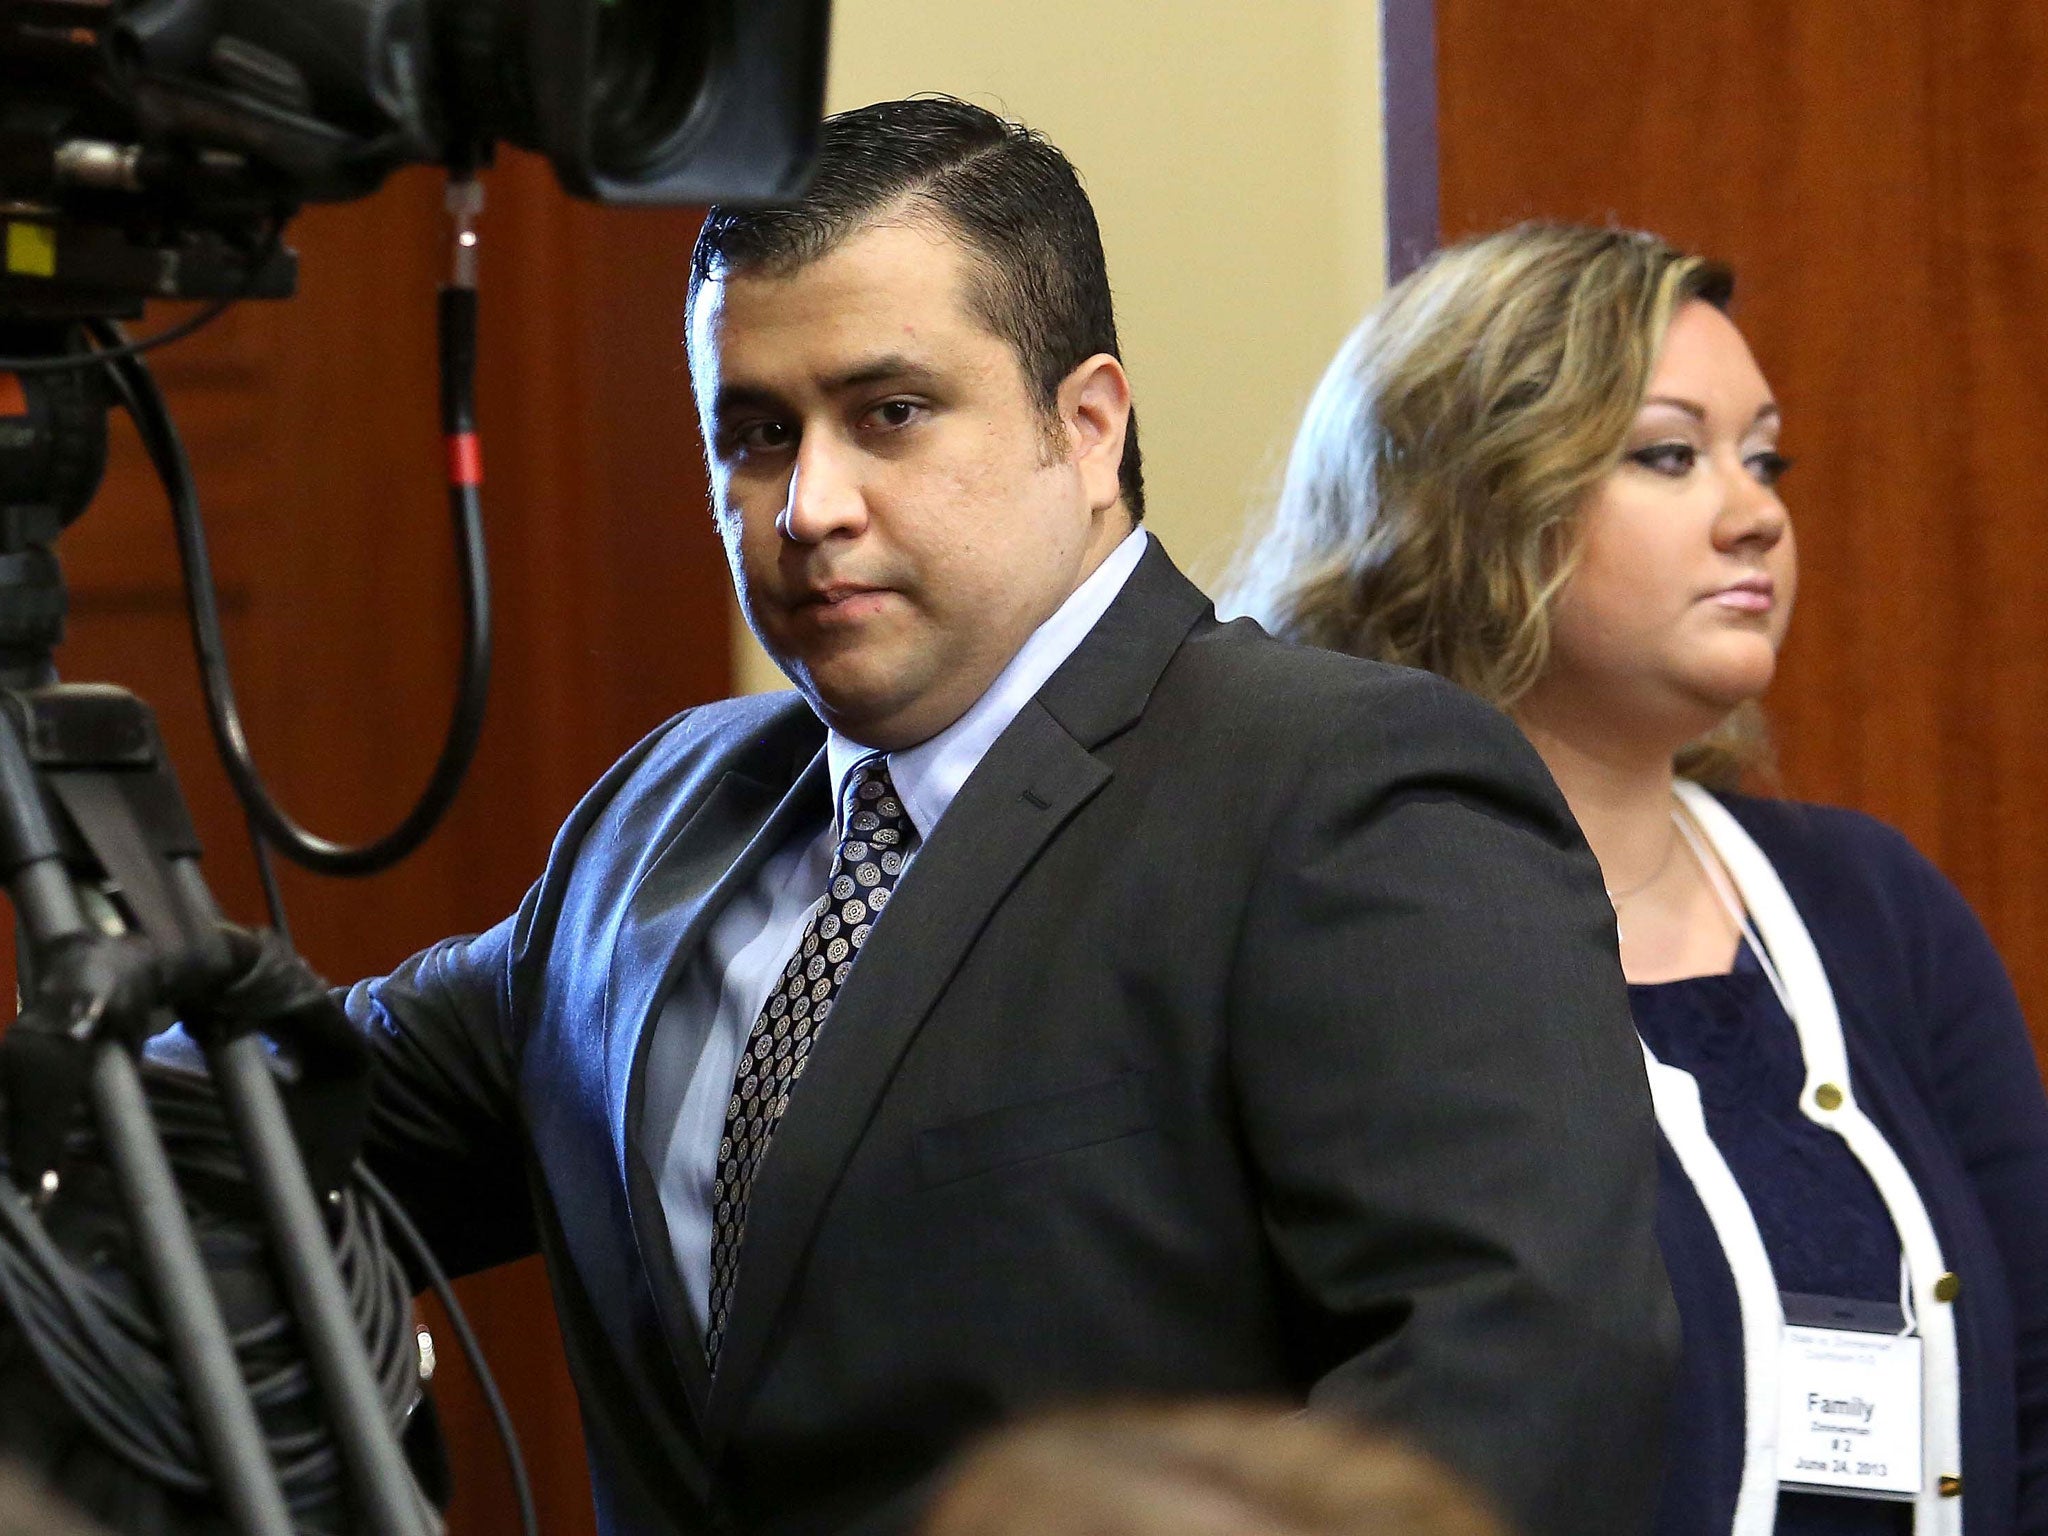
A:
(312, 426)
(1877, 171)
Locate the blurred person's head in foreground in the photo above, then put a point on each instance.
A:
(29, 1508)
(1200, 1470)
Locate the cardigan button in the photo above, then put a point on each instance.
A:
(1948, 1287)
(1828, 1096)
(1951, 1487)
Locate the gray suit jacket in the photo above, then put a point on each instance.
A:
(1250, 1024)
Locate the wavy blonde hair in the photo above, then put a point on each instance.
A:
(1429, 514)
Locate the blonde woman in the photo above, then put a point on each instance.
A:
(1548, 467)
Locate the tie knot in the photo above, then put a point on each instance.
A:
(870, 805)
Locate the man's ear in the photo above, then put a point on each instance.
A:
(1095, 409)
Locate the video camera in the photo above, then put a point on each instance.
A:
(150, 148)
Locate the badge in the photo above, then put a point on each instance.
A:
(1848, 1408)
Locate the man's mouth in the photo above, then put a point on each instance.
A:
(841, 600)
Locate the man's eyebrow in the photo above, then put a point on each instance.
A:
(893, 368)
(741, 397)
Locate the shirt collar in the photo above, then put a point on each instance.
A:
(928, 775)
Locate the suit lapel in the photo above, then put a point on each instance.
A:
(713, 854)
(1105, 685)
(1039, 773)
(1032, 781)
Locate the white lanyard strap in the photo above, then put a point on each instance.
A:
(1787, 952)
(1676, 1098)
(1717, 882)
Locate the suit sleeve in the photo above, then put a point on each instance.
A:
(1989, 1095)
(446, 1029)
(444, 1128)
(1445, 1101)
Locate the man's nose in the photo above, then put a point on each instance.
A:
(825, 495)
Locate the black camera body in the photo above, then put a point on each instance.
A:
(152, 148)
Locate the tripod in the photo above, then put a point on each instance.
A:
(118, 937)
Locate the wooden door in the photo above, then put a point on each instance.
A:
(1877, 172)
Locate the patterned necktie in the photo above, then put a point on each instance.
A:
(873, 845)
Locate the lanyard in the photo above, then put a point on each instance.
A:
(1718, 883)
(1786, 951)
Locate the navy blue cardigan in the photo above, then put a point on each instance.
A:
(1941, 1062)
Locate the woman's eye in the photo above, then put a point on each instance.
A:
(1673, 459)
(1769, 467)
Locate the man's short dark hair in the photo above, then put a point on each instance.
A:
(1009, 195)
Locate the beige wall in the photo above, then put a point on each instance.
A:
(1233, 153)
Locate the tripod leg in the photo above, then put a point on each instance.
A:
(185, 1303)
(388, 1501)
(387, 1498)
(51, 915)
(103, 764)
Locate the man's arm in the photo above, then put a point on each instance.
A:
(444, 1128)
(447, 1028)
(1446, 1104)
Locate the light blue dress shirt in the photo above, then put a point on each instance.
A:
(749, 942)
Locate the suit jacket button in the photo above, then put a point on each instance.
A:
(1828, 1096)
(1948, 1287)
(1950, 1486)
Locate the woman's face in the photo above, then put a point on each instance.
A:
(1686, 570)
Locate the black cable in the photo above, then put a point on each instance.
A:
(140, 1415)
(105, 1355)
(144, 401)
(69, 361)
(522, 1490)
(266, 872)
(214, 309)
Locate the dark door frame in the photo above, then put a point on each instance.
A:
(1408, 109)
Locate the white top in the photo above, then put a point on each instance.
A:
(749, 942)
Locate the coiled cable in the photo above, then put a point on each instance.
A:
(78, 1311)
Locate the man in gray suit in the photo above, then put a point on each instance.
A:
(1061, 992)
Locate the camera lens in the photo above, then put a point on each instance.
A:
(652, 60)
(633, 100)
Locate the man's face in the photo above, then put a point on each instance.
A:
(898, 513)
